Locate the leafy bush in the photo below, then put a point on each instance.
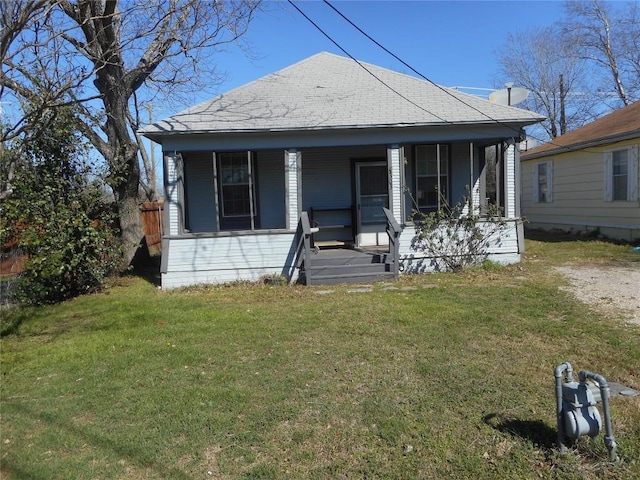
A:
(455, 238)
(58, 213)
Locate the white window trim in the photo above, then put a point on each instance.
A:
(536, 185)
(632, 174)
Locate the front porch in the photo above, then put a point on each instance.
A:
(239, 215)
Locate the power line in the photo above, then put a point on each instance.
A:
(364, 67)
(448, 92)
(445, 90)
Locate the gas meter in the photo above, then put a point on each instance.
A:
(576, 411)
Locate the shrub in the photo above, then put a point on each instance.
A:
(58, 212)
(455, 238)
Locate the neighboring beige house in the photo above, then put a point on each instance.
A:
(587, 180)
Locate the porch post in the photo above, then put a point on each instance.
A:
(474, 194)
(174, 215)
(517, 195)
(293, 200)
(395, 155)
(510, 180)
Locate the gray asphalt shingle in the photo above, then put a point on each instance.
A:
(327, 91)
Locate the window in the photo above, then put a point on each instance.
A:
(621, 174)
(237, 207)
(432, 175)
(543, 182)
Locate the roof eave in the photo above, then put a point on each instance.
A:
(582, 145)
(155, 134)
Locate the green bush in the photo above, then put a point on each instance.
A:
(58, 213)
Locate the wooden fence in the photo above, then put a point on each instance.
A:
(152, 215)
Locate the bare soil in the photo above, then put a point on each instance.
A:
(614, 290)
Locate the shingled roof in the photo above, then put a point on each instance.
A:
(614, 127)
(327, 91)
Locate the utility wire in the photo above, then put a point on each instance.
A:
(445, 90)
(364, 67)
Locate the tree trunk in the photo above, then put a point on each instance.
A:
(126, 180)
(132, 232)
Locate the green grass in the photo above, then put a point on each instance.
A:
(447, 376)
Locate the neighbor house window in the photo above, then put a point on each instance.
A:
(432, 175)
(543, 182)
(621, 174)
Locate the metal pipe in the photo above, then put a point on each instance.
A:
(609, 439)
(560, 369)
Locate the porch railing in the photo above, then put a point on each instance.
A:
(304, 247)
(393, 231)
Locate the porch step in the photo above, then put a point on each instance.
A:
(350, 278)
(346, 269)
(331, 267)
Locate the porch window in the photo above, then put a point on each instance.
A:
(621, 175)
(432, 175)
(237, 198)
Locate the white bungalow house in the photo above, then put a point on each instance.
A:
(587, 180)
(327, 152)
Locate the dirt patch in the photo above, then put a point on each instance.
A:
(614, 290)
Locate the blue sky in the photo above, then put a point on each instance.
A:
(452, 43)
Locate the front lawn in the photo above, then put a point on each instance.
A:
(441, 376)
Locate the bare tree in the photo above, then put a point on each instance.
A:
(554, 75)
(109, 58)
(608, 38)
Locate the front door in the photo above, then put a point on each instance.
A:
(372, 194)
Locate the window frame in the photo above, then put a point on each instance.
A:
(233, 221)
(631, 183)
(443, 156)
(548, 182)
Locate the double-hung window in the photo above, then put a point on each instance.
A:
(621, 174)
(432, 176)
(237, 204)
(543, 182)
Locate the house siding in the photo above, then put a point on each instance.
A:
(271, 189)
(199, 192)
(579, 196)
(228, 258)
(327, 174)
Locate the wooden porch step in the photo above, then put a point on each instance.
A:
(350, 278)
(355, 269)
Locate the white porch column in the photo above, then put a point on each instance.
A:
(293, 183)
(173, 193)
(474, 166)
(511, 181)
(395, 163)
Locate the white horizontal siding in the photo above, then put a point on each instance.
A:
(226, 258)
